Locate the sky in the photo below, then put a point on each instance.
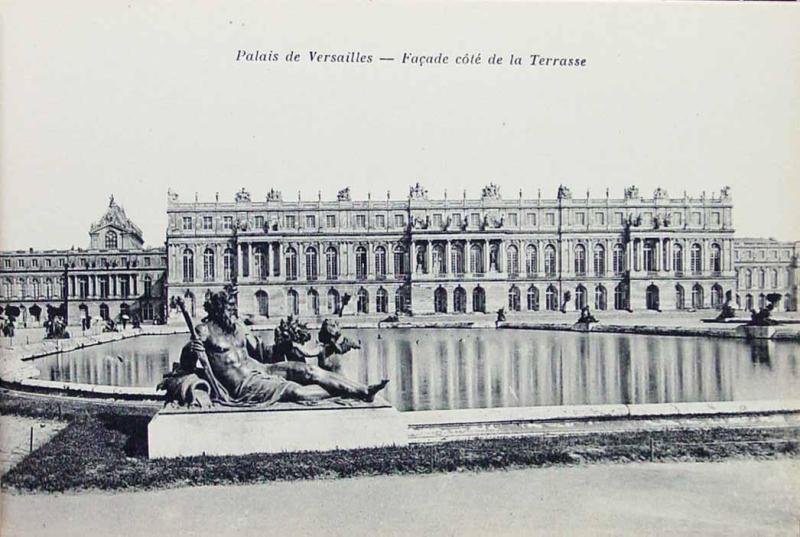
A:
(132, 98)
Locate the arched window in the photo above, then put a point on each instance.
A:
(380, 262)
(599, 260)
(7, 292)
(774, 281)
(621, 297)
(697, 296)
(104, 311)
(649, 254)
(382, 300)
(533, 298)
(401, 300)
(148, 285)
(748, 302)
(228, 264)
(551, 298)
(400, 261)
(331, 263)
(208, 265)
(680, 297)
(292, 302)
(35, 288)
(748, 279)
(459, 300)
(313, 301)
(618, 259)
(361, 263)
(437, 258)
(716, 296)
(550, 260)
(531, 260)
(479, 300)
(580, 297)
(512, 260)
(696, 261)
(514, 298)
(762, 279)
(762, 301)
(48, 288)
(716, 259)
(262, 301)
(147, 311)
(652, 297)
(476, 259)
(580, 260)
(787, 303)
(261, 262)
(362, 302)
(111, 240)
(290, 255)
(23, 288)
(440, 300)
(677, 258)
(333, 301)
(600, 298)
(312, 264)
(457, 259)
(188, 265)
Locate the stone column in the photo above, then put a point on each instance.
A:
(501, 257)
(135, 286)
(468, 257)
(240, 259)
(428, 257)
(447, 257)
(486, 247)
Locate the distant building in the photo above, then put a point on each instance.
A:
(115, 275)
(426, 256)
(765, 266)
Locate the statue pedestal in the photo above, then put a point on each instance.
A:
(756, 332)
(181, 432)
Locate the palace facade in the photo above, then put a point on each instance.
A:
(424, 256)
(765, 266)
(115, 275)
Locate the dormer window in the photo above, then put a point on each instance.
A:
(111, 240)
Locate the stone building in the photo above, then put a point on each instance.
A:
(765, 266)
(454, 255)
(115, 275)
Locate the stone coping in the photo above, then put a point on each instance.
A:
(279, 407)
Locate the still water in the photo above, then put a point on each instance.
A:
(432, 369)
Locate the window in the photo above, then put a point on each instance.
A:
(399, 220)
(291, 263)
(291, 221)
(313, 301)
(208, 223)
(330, 220)
(188, 265)
(437, 219)
(551, 298)
(715, 219)
(514, 298)
(716, 258)
(697, 296)
(550, 260)
(649, 256)
(124, 286)
(381, 301)
(677, 219)
(475, 219)
(717, 296)
(580, 297)
(293, 301)
(618, 219)
(580, 219)
(333, 301)
(259, 223)
(146, 261)
(533, 298)
(311, 221)
(599, 219)
(48, 288)
(7, 263)
(600, 298)
(380, 262)
(148, 286)
(48, 263)
(532, 219)
(457, 266)
(599, 260)
(460, 300)
(228, 264)
(361, 221)
(438, 259)
(187, 223)
(457, 219)
(748, 279)
(208, 265)
(35, 263)
(331, 263)
(312, 264)
(512, 220)
(440, 300)
(20, 263)
(512, 259)
(361, 263)
(550, 218)
(476, 259)
(479, 300)
(621, 297)
(380, 220)
(774, 279)
(531, 259)
(677, 258)
(61, 262)
(580, 260)
(696, 259)
(261, 262)
(362, 302)
(696, 217)
(400, 261)
(680, 297)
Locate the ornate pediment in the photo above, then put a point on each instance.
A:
(490, 191)
(418, 192)
(115, 217)
(343, 194)
(242, 196)
(274, 195)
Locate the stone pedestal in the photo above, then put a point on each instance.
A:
(756, 332)
(178, 432)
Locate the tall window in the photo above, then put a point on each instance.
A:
(104, 287)
(479, 300)
(551, 298)
(716, 258)
(621, 297)
(35, 288)
(696, 260)
(293, 300)
(331, 263)
(514, 298)
(649, 256)
(697, 296)
(208, 265)
(580, 297)
(361, 263)
(228, 264)
(400, 261)
(531, 260)
(260, 262)
(580, 259)
(550, 260)
(362, 303)
(716, 296)
(312, 264)
(677, 258)
(618, 259)
(599, 260)
(476, 259)
(440, 300)
(774, 281)
(313, 301)
(381, 301)
(600, 298)
(188, 265)
(762, 279)
(459, 300)
(148, 286)
(291, 263)
(457, 259)
(680, 297)
(437, 257)
(48, 288)
(533, 298)
(512, 260)
(111, 240)
(333, 301)
(380, 262)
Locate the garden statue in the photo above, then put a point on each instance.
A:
(501, 316)
(586, 316)
(762, 317)
(727, 311)
(231, 373)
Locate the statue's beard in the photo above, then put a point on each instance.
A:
(226, 321)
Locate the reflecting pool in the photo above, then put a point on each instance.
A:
(432, 369)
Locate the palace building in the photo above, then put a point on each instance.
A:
(765, 266)
(115, 275)
(457, 256)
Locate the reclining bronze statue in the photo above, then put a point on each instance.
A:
(239, 369)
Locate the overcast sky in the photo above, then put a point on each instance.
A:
(131, 98)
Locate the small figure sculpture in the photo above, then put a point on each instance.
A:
(343, 194)
(727, 311)
(493, 258)
(501, 316)
(565, 300)
(420, 259)
(762, 317)
(586, 316)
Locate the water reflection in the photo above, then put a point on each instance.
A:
(450, 369)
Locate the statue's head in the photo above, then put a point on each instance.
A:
(221, 309)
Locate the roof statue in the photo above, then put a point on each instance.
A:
(631, 192)
(725, 193)
(564, 193)
(490, 191)
(344, 194)
(274, 195)
(418, 192)
(242, 196)
(660, 193)
(172, 196)
(115, 217)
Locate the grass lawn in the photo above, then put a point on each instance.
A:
(104, 446)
